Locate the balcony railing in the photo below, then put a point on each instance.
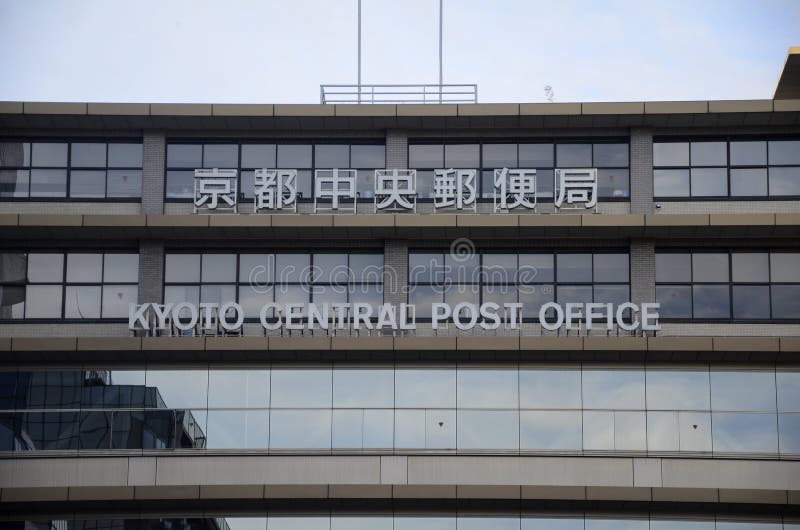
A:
(394, 94)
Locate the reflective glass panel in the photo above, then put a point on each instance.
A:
(549, 389)
(750, 182)
(671, 183)
(784, 266)
(711, 301)
(368, 156)
(88, 155)
(751, 301)
(744, 432)
(182, 268)
(14, 182)
(426, 156)
(709, 182)
(43, 267)
(709, 154)
(550, 430)
(783, 181)
(84, 268)
(497, 156)
(677, 389)
(300, 429)
(238, 388)
(184, 155)
(220, 156)
(574, 268)
(536, 156)
(671, 267)
(121, 183)
(750, 267)
(425, 388)
(610, 267)
(363, 388)
(461, 156)
(48, 183)
(742, 391)
(610, 155)
(184, 388)
(671, 154)
(784, 152)
(301, 388)
(614, 389)
(294, 156)
(710, 267)
(574, 155)
(748, 153)
(331, 156)
(124, 155)
(491, 429)
(218, 268)
(487, 388)
(49, 154)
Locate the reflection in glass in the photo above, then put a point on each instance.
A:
(238, 429)
(751, 182)
(300, 429)
(301, 388)
(549, 389)
(677, 389)
(425, 388)
(671, 183)
(487, 388)
(363, 388)
(543, 430)
(617, 389)
(742, 391)
(744, 432)
(238, 388)
(711, 301)
(495, 429)
(670, 153)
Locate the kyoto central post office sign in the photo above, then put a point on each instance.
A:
(395, 190)
(187, 316)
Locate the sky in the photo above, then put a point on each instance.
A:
(280, 51)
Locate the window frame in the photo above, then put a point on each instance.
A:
(239, 142)
(64, 284)
(728, 167)
(272, 283)
(68, 169)
(554, 283)
(729, 252)
(552, 141)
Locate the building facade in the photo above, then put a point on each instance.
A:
(501, 316)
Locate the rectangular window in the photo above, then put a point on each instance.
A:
(306, 158)
(611, 158)
(71, 285)
(253, 279)
(71, 170)
(723, 168)
(529, 278)
(729, 285)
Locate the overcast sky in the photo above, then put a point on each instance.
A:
(280, 51)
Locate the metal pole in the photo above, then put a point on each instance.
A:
(440, 49)
(359, 51)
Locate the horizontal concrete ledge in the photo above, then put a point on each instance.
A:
(32, 479)
(391, 110)
(384, 343)
(405, 220)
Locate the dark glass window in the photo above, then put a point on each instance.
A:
(253, 279)
(760, 285)
(613, 179)
(530, 278)
(70, 170)
(75, 285)
(183, 159)
(726, 168)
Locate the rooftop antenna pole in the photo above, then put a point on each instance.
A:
(440, 50)
(359, 51)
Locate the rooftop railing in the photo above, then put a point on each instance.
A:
(398, 94)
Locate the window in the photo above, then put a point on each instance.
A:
(594, 407)
(726, 168)
(71, 170)
(610, 158)
(71, 285)
(184, 158)
(254, 279)
(531, 279)
(727, 285)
